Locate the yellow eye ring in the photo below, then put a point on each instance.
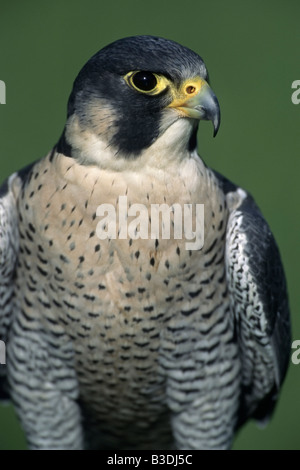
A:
(146, 82)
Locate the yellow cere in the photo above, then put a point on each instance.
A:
(188, 89)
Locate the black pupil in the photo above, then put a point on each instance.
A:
(145, 81)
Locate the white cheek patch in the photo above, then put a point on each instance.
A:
(91, 145)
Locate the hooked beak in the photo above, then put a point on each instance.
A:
(196, 100)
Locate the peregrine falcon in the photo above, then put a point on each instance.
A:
(131, 342)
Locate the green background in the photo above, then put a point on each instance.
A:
(251, 50)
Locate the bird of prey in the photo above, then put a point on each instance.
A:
(136, 342)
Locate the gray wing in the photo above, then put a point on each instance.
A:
(259, 300)
(9, 246)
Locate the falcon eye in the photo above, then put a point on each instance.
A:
(145, 82)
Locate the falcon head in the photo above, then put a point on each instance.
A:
(136, 98)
